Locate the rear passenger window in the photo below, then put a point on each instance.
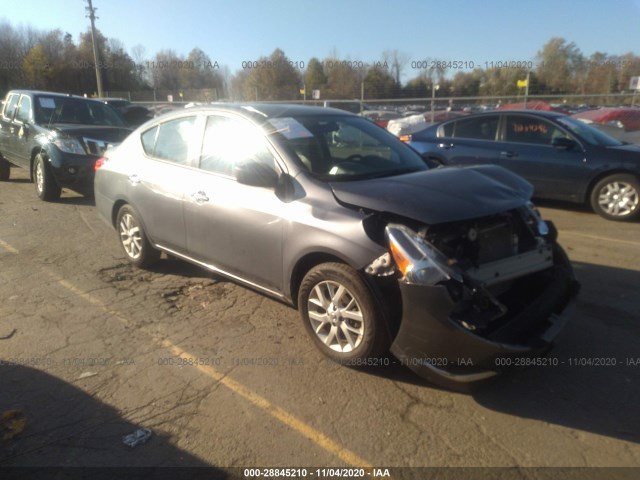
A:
(480, 128)
(172, 140)
(149, 140)
(446, 130)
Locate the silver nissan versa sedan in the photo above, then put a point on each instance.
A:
(330, 213)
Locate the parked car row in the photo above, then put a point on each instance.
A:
(325, 211)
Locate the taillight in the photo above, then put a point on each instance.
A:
(405, 138)
(99, 162)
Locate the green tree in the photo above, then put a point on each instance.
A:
(273, 79)
(165, 71)
(561, 65)
(314, 77)
(378, 83)
(343, 80)
(601, 74)
(37, 70)
(201, 73)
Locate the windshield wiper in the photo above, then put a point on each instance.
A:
(390, 173)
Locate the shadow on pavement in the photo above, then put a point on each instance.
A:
(66, 427)
(595, 385)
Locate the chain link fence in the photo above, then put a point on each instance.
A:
(439, 103)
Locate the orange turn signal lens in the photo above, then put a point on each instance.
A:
(402, 261)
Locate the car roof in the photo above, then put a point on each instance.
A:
(54, 94)
(540, 113)
(270, 110)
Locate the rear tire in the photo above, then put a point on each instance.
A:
(46, 187)
(342, 316)
(133, 238)
(5, 169)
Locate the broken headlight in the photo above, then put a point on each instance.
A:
(418, 260)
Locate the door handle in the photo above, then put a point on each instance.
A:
(446, 146)
(508, 154)
(134, 179)
(200, 197)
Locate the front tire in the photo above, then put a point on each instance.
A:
(617, 197)
(46, 187)
(341, 315)
(133, 238)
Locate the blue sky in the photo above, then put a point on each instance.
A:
(231, 32)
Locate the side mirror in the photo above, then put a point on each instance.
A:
(563, 143)
(256, 174)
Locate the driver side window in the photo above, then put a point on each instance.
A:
(229, 142)
(24, 110)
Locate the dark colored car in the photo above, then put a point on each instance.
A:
(57, 138)
(134, 115)
(562, 157)
(376, 250)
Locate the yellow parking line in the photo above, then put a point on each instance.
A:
(282, 415)
(602, 239)
(8, 247)
(259, 401)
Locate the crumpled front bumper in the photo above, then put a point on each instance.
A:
(442, 351)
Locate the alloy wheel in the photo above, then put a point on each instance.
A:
(335, 316)
(618, 199)
(131, 236)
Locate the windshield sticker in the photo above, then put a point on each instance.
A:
(47, 102)
(290, 128)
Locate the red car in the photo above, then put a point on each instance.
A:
(628, 117)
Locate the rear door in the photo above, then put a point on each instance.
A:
(158, 181)
(7, 128)
(469, 141)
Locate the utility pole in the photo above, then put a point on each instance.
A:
(92, 16)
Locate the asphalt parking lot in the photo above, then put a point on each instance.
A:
(93, 349)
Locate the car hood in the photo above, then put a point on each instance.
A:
(98, 132)
(632, 149)
(440, 195)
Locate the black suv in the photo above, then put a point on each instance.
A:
(57, 137)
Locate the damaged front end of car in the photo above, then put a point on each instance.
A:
(477, 295)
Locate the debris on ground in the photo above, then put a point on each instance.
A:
(7, 337)
(12, 422)
(139, 436)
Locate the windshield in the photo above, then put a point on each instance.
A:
(49, 110)
(588, 133)
(345, 147)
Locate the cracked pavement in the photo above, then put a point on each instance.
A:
(94, 358)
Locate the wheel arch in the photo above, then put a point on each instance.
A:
(303, 266)
(115, 209)
(34, 153)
